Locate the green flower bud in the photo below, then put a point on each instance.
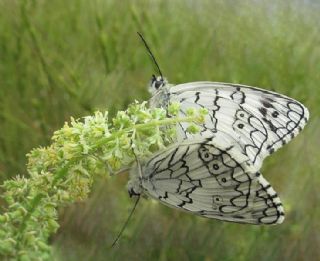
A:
(173, 108)
(193, 129)
(191, 112)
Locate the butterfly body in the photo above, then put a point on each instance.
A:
(216, 172)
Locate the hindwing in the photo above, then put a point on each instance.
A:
(214, 178)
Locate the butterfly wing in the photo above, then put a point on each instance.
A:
(213, 178)
(261, 120)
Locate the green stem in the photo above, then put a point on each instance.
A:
(33, 205)
(145, 125)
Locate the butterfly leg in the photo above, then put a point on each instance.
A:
(134, 184)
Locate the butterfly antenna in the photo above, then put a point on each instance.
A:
(151, 54)
(126, 223)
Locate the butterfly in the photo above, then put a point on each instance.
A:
(216, 172)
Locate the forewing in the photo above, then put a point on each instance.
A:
(261, 121)
(213, 178)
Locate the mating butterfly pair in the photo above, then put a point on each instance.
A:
(216, 173)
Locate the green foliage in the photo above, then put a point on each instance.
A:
(64, 172)
(70, 58)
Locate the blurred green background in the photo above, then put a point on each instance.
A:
(69, 58)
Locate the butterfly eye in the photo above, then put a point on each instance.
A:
(158, 84)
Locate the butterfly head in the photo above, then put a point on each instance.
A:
(132, 192)
(134, 184)
(156, 84)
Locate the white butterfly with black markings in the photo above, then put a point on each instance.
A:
(216, 173)
(261, 121)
